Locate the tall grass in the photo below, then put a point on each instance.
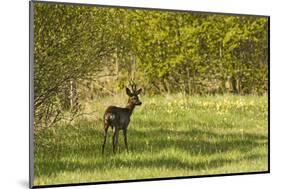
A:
(168, 136)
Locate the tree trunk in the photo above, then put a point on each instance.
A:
(116, 64)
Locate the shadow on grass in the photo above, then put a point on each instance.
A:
(199, 142)
(194, 142)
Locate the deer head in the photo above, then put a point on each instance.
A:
(133, 94)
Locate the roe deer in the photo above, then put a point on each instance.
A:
(119, 118)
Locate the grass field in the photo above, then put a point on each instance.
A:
(168, 136)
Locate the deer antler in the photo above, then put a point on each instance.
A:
(133, 85)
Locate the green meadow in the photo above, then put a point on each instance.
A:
(169, 136)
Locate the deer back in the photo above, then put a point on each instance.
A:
(117, 117)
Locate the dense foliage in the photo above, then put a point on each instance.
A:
(82, 51)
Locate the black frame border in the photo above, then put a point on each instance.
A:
(31, 95)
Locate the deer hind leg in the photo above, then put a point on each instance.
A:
(125, 139)
(105, 136)
(115, 139)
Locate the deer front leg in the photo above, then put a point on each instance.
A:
(125, 139)
(115, 139)
(105, 136)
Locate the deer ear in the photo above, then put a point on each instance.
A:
(128, 91)
(139, 91)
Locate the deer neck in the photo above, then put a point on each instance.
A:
(130, 106)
